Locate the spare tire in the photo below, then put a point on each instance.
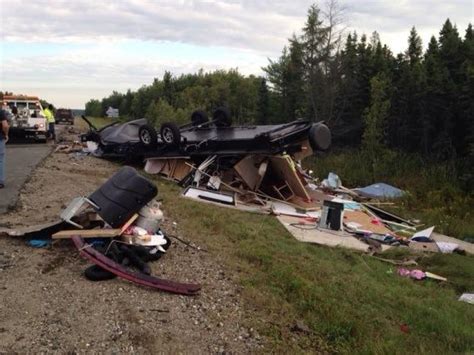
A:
(170, 133)
(199, 117)
(319, 137)
(148, 136)
(222, 117)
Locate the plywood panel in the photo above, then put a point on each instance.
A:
(284, 168)
(365, 221)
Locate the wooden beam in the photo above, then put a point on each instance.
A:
(87, 233)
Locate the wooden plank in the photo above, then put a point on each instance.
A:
(128, 223)
(87, 233)
(283, 167)
(181, 170)
(365, 221)
(248, 171)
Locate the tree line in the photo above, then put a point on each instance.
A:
(419, 101)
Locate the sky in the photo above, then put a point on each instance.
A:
(69, 51)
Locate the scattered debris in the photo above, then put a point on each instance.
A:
(122, 221)
(258, 169)
(417, 274)
(467, 297)
(379, 191)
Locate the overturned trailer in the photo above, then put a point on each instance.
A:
(202, 137)
(249, 162)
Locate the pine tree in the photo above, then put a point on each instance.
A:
(453, 135)
(415, 47)
(466, 96)
(408, 105)
(315, 53)
(375, 117)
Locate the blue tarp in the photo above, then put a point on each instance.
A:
(380, 190)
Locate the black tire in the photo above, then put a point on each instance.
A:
(319, 137)
(170, 133)
(96, 273)
(198, 118)
(222, 117)
(148, 136)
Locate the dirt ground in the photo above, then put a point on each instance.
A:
(49, 307)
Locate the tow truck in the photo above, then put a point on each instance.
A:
(25, 115)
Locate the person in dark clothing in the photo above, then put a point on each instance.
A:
(3, 141)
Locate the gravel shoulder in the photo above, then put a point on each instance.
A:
(48, 306)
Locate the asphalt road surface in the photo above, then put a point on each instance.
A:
(21, 161)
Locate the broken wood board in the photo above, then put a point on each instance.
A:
(308, 233)
(128, 223)
(284, 167)
(162, 165)
(248, 170)
(281, 208)
(365, 221)
(181, 169)
(87, 233)
(388, 216)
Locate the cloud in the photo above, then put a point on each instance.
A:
(117, 44)
(97, 69)
(262, 26)
(218, 23)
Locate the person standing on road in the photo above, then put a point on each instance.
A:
(49, 114)
(3, 141)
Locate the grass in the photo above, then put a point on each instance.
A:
(98, 122)
(350, 302)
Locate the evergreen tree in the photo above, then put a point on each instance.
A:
(315, 53)
(415, 48)
(375, 117)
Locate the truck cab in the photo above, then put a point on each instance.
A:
(26, 118)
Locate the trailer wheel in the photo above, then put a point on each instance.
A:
(148, 136)
(319, 137)
(198, 118)
(170, 133)
(222, 117)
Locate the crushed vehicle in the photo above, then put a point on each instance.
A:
(203, 137)
(26, 117)
(64, 116)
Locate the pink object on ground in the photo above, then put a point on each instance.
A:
(414, 274)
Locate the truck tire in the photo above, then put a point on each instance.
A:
(148, 136)
(170, 133)
(222, 117)
(198, 118)
(319, 137)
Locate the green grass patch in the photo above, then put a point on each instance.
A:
(98, 122)
(350, 302)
